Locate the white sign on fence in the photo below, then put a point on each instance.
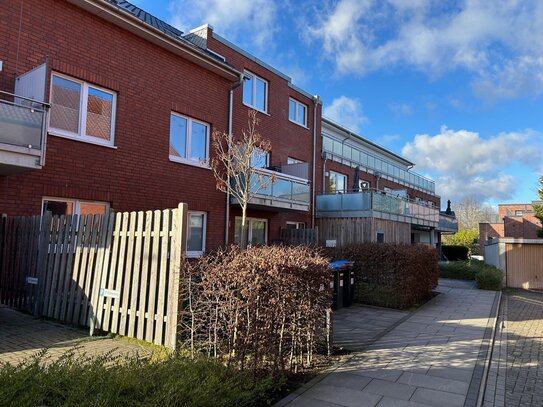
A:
(104, 292)
(32, 280)
(330, 243)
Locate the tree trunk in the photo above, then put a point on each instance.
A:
(244, 228)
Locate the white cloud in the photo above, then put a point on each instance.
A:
(247, 21)
(495, 40)
(400, 109)
(465, 164)
(346, 111)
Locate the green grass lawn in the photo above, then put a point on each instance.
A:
(171, 381)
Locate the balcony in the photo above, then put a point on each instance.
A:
(287, 192)
(375, 204)
(447, 223)
(22, 134)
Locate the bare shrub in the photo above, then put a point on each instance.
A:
(259, 308)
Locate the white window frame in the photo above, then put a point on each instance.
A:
(83, 103)
(291, 160)
(76, 203)
(183, 160)
(253, 92)
(296, 118)
(342, 175)
(299, 225)
(194, 254)
(249, 230)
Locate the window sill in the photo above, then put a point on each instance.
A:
(258, 110)
(199, 164)
(82, 139)
(299, 124)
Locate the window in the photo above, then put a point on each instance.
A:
(259, 158)
(294, 161)
(380, 237)
(81, 111)
(337, 183)
(295, 225)
(258, 231)
(196, 234)
(189, 140)
(62, 206)
(519, 213)
(297, 112)
(255, 92)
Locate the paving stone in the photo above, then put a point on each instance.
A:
(438, 398)
(344, 379)
(386, 388)
(436, 383)
(390, 402)
(343, 396)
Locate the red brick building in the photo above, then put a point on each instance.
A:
(117, 111)
(515, 221)
(290, 119)
(148, 80)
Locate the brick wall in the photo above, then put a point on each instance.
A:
(150, 81)
(287, 139)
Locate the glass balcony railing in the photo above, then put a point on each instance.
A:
(271, 188)
(374, 204)
(21, 123)
(340, 152)
(448, 223)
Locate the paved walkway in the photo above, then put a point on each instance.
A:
(22, 336)
(516, 371)
(431, 358)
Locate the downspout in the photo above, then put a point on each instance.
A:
(230, 109)
(316, 100)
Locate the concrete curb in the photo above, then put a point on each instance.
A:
(477, 386)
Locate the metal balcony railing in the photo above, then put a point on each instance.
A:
(447, 223)
(372, 203)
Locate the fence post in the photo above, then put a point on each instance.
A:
(43, 249)
(179, 226)
(100, 261)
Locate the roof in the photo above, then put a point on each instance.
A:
(366, 141)
(164, 27)
(148, 18)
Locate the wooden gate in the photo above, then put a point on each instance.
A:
(119, 273)
(296, 237)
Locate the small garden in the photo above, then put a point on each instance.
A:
(487, 277)
(255, 325)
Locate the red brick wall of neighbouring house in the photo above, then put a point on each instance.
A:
(511, 209)
(521, 227)
(487, 231)
(287, 139)
(150, 83)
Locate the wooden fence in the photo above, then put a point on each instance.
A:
(118, 273)
(347, 231)
(296, 237)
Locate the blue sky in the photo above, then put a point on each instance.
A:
(455, 86)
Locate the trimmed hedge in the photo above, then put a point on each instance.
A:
(459, 270)
(490, 278)
(394, 276)
(454, 252)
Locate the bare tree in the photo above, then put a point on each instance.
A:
(470, 212)
(234, 167)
